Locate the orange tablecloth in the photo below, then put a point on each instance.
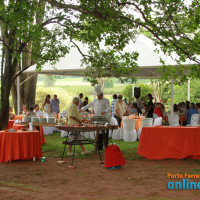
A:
(42, 135)
(41, 132)
(10, 123)
(170, 142)
(19, 117)
(20, 145)
(18, 126)
(138, 122)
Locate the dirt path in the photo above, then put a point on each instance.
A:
(138, 179)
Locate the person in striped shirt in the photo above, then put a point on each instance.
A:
(113, 104)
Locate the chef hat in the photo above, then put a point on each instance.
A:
(98, 90)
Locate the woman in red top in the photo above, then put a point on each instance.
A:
(158, 110)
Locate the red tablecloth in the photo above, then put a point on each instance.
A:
(20, 145)
(10, 123)
(170, 142)
(42, 135)
(18, 126)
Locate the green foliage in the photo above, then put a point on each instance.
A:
(53, 147)
(127, 92)
(145, 89)
(109, 83)
(49, 81)
(109, 63)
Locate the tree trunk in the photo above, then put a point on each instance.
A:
(7, 78)
(4, 112)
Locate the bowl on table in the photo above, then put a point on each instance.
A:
(24, 129)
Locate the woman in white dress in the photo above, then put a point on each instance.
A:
(47, 113)
(47, 106)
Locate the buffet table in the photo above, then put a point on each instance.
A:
(170, 142)
(23, 124)
(19, 145)
(77, 129)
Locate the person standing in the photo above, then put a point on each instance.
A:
(150, 108)
(138, 102)
(190, 112)
(113, 104)
(120, 110)
(55, 104)
(74, 118)
(47, 106)
(101, 106)
(80, 104)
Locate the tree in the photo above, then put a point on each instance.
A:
(109, 83)
(25, 40)
(172, 24)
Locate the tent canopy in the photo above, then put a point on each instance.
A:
(148, 60)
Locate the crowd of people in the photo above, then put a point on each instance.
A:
(118, 108)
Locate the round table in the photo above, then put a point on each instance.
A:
(20, 145)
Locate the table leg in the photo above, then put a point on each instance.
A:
(73, 155)
(105, 138)
(96, 142)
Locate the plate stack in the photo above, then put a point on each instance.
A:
(43, 120)
(35, 119)
(51, 120)
(26, 119)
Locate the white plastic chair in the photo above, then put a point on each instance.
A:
(122, 129)
(155, 116)
(194, 120)
(199, 120)
(92, 134)
(114, 134)
(148, 122)
(157, 121)
(175, 120)
(130, 134)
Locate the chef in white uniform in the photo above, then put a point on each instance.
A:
(101, 106)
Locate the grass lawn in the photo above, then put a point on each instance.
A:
(53, 147)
